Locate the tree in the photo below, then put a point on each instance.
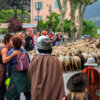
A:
(15, 25)
(73, 6)
(54, 19)
(62, 9)
(82, 7)
(6, 4)
(5, 14)
(89, 28)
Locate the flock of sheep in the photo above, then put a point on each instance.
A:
(71, 55)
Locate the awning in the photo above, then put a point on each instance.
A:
(29, 25)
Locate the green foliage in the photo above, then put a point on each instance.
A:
(8, 4)
(15, 25)
(3, 31)
(89, 28)
(67, 26)
(88, 2)
(54, 19)
(5, 14)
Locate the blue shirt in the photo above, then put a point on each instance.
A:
(12, 64)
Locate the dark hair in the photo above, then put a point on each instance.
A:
(17, 42)
(80, 52)
(45, 51)
(7, 38)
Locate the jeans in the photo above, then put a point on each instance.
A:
(27, 96)
(57, 43)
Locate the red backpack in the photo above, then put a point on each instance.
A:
(22, 62)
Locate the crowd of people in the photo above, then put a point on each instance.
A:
(42, 77)
(30, 40)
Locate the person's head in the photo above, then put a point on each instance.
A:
(23, 35)
(7, 38)
(44, 46)
(51, 33)
(80, 52)
(17, 34)
(59, 33)
(44, 33)
(38, 34)
(17, 42)
(91, 62)
(27, 33)
(77, 86)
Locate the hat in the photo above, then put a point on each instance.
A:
(44, 44)
(91, 62)
(78, 82)
(44, 32)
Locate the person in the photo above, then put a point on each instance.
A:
(77, 86)
(45, 74)
(23, 39)
(3, 60)
(52, 39)
(18, 79)
(50, 35)
(94, 77)
(35, 40)
(65, 38)
(28, 42)
(44, 33)
(82, 59)
(57, 40)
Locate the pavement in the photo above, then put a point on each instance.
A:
(66, 76)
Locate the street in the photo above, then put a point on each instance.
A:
(66, 76)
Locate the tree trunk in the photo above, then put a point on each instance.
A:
(81, 18)
(63, 13)
(15, 10)
(61, 23)
(79, 36)
(73, 9)
(73, 27)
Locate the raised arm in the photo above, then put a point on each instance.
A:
(6, 59)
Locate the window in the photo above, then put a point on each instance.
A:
(40, 17)
(40, 4)
(55, 4)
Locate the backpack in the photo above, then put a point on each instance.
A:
(22, 62)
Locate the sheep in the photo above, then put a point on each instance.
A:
(77, 62)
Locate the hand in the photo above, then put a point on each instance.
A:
(6, 74)
(16, 52)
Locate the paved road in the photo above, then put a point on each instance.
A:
(69, 74)
(66, 76)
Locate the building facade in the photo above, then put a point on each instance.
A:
(46, 6)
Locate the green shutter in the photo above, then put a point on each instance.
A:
(41, 17)
(36, 17)
(36, 5)
(77, 19)
(41, 5)
(55, 4)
